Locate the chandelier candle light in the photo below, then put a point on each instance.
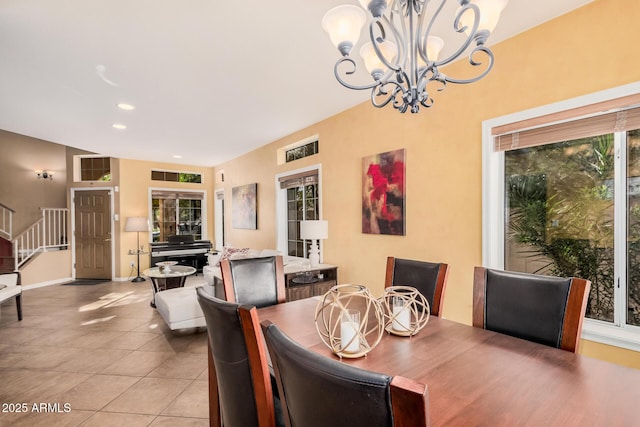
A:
(402, 54)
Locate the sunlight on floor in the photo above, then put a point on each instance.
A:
(115, 299)
(94, 321)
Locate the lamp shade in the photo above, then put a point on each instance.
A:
(434, 46)
(314, 230)
(137, 223)
(372, 61)
(344, 23)
(490, 11)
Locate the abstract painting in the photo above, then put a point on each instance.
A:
(383, 198)
(243, 207)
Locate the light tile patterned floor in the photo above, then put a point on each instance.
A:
(102, 351)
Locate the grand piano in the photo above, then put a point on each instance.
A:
(183, 249)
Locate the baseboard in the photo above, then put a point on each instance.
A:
(47, 283)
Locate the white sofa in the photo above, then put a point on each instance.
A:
(213, 275)
(10, 287)
(179, 306)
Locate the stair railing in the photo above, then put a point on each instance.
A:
(48, 232)
(6, 221)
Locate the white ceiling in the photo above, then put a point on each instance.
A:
(210, 80)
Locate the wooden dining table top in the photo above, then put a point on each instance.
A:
(477, 377)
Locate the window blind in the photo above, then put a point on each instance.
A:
(299, 179)
(191, 195)
(622, 114)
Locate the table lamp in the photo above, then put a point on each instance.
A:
(314, 231)
(137, 224)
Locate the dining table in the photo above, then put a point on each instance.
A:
(477, 377)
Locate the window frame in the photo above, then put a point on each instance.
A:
(617, 333)
(77, 168)
(203, 208)
(281, 207)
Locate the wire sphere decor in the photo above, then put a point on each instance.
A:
(349, 320)
(406, 310)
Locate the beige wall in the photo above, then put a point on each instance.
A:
(47, 268)
(135, 181)
(22, 191)
(583, 52)
(20, 188)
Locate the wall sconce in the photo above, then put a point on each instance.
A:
(45, 174)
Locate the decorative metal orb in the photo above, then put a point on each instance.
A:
(406, 310)
(349, 320)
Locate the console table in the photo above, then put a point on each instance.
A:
(301, 281)
(308, 282)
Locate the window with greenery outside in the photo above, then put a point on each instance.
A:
(560, 211)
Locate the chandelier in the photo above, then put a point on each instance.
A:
(402, 54)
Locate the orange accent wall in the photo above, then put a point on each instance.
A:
(585, 51)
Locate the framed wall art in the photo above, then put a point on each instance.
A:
(244, 212)
(383, 193)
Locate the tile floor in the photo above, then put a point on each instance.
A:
(99, 355)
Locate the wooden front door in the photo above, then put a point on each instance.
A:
(93, 234)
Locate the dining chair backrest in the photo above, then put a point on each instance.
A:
(254, 281)
(428, 277)
(316, 391)
(240, 367)
(544, 309)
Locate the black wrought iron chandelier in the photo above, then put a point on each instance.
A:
(402, 54)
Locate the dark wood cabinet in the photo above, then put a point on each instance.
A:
(310, 283)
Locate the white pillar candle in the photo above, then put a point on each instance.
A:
(349, 326)
(401, 316)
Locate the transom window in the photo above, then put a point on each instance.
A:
(306, 150)
(95, 169)
(170, 176)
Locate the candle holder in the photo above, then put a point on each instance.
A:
(349, 320)
(406, 309)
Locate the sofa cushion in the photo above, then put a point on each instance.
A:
(9, 286)
(214, 259)
(178, 304)
(228, 252)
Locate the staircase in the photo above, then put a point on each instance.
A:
(7, 262)
(47, 233)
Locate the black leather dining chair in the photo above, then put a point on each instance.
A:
(254, 281)
(240, 381)
(427, 277)
(316, 391)
(544, 309)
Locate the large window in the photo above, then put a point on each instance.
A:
(176, 213)
(562, 197)
(302, 204)
(560, 214)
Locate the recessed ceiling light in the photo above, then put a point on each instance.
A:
(126, 107)
(119, 126)
(177, 156)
